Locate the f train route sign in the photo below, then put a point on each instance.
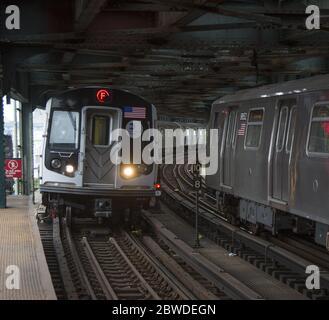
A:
(13, 168)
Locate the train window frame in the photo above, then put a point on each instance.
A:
(50, 122)
(312, 154)
(292, 111)
(254, 123)
(230, 128)
(235, 129)
(278, 150)
(109, 131)
(216, 120)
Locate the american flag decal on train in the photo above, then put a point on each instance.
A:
(242, 129)
(134, 113)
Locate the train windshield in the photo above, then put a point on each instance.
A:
(319, 133)
(64, 132)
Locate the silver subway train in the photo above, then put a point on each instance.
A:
(79, 177)
(274, 157)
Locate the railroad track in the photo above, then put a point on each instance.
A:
(218, 283)
(284, 259)
(46, 235)
(310, 251)
(175, 183)
(302, 247)
(123, 271)
(88, 262)
(114, 267)
(94, 264)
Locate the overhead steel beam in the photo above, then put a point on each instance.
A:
(221, 10)
(221, 26)
(191, 16)
(67, 58)
(145, 7)
(43, 37)
(88, 14)
(60, 82)
(132, 32)
(44, 67)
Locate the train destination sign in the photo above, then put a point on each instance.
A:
(13, 168)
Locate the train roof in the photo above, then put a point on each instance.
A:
(315, 83)
(76, 98)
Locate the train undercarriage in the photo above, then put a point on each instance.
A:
(258, 218)
(109, 210)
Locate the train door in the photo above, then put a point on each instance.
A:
(228, 147)
(282, 150)
(98, 169)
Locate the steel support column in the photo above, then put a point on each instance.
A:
(2, 159)
(27, 148)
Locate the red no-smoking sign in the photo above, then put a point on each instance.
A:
(13, 168)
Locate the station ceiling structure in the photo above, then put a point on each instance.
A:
(179, 54)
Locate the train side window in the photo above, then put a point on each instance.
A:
(291, 129)
(101, 130)
(318, 142)
(230, 128)
(235, 129)
(281, 129)
(254, 128)
(216, 120)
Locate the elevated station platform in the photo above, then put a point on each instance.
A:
(22, 261)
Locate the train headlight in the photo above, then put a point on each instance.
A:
(69, 169)
(56, 163)
(129, 172)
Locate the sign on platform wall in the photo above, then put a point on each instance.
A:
(13, 168)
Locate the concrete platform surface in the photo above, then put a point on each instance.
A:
(24, 273)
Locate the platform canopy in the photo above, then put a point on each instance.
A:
(179, 54)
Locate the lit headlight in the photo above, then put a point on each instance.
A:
(69, 168)
(56, 163)
(128, 171)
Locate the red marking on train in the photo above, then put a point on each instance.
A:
(325, 126)
(102, 94)
(157, 186)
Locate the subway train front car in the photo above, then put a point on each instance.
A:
(81, 175)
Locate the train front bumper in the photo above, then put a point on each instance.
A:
(141, 192)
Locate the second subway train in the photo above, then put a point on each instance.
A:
(274, 157)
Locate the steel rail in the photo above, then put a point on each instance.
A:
(62, 262)
(188, 281)
(75, 256)
(135, 271)
(221, 279)
(168, 274)
(102, 279)
(269, 249)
